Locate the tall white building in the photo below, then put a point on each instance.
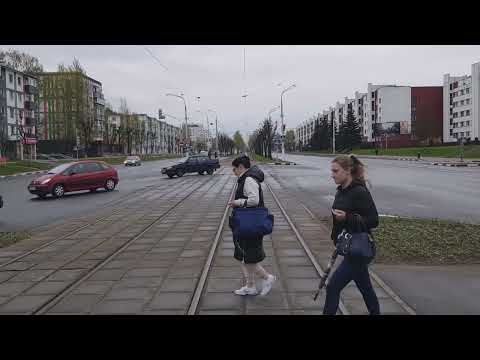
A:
(461, 105)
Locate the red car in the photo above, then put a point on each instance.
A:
(75, 176)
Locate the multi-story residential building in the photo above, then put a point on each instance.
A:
(197, 133)
(72, 108)
(18, 113)
(153, 136)
(406, 115)
(461, 106)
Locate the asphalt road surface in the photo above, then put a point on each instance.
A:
(23, 211)
(398, 187)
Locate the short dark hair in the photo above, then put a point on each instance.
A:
(242, 160)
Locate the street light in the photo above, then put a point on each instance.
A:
(186, 123)
(281, 114)
(216, 128)
(272, 110)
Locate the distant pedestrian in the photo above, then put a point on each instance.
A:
(216, 155)
(352, 199)
(249, 251)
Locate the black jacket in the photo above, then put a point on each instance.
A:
(250, 250)
(354, 199)
(255, 173)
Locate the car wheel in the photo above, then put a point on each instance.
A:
(180, 173)
(209, 171)
(93, 190)
(110, 185)
(200, 172)
(170, 176)
(58, 191)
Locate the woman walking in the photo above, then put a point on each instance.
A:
(352, 199)
(249, 251)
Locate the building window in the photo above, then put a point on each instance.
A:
(373, 94)
(373, 117)
(11, 112)
(467, 113)
(461, 124)
(462, 102)
(11, 94)
(455, 115)
(467, 134)
(468, 101)
(10, 78)
(462, 113)
(462, 134)
(467, 90)
(468, 123)
(462, 92)
(19, 81)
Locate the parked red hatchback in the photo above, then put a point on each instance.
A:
(75, 176)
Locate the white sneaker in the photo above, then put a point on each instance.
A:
(267, 285)
(246, 291)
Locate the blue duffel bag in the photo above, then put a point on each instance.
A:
(252, 222)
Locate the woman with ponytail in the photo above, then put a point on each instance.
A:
(354, 210)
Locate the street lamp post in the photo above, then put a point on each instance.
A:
(187, 137)
(333, 134)
(271, 111)
(282, 116)
(216, 128)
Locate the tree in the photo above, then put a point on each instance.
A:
(238, 140)
(261, 141)
(21, 61)
(350, 133)
(290, 140)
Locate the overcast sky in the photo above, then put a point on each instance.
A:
(323, 75)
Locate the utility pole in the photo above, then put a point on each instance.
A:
(333, 134)
(281, 114)
(187, 137)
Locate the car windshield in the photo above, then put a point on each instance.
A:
(182, 160)
(60, 168)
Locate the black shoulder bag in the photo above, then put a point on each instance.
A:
(358, 246)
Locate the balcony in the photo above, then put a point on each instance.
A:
(30, 89)
(29, 105)
(99, 99)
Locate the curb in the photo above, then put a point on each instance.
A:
(455, 164)
(23, 174)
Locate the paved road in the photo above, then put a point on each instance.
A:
(399, 188)
(436, 290)
(23, 210)
(408, 189)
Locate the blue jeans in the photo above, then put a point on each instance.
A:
(346, 272)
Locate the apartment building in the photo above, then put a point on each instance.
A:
(392, 115)
(72, 107)
(461, 104)
(18, 113)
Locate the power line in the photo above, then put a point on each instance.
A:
(154, 57)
